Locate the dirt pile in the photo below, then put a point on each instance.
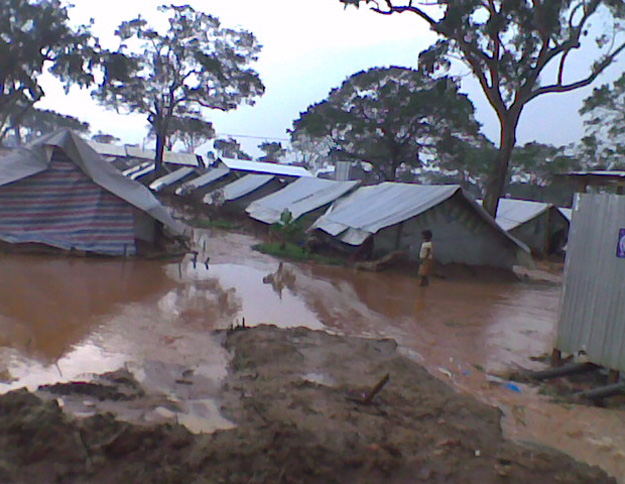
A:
(288, 393)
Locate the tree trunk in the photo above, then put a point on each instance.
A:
(499, 176)
(160, 151)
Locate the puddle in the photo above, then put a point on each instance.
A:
(66, 319)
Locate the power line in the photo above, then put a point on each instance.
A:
(251, 137)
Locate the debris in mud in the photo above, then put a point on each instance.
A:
(289, 427)
(117, 385)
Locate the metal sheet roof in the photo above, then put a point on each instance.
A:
(300, 197)
(136, 168)
(171, 178)
(243, 186)
(187, 159)
(511, 213)
(146, 168)
(107, 149)
(36, 157)
(204, 179)
(375, 207)
(606, 173)
(269, 168)
(372, 208)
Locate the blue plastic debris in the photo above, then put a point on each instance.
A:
(513, 387)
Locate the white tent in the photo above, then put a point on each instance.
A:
(542, 226)
(393, 215)
(301, 197)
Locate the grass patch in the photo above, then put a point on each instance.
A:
(295, 252)
(217, 223)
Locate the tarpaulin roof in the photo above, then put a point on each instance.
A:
(204, 179)
(171, 178)
(144, 169)
(245, 185)
(263, 167)
(189, 159)
(36, 157)
(511, 213)
(300, 197)
(137, 168)
(108, 149)
(372, 208)
(567, 212)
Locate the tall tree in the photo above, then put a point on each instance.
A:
(390, 117)
(36, 36)
(517, 49)
(196, 63)
(37, 122)
(604, 119)
(230, 148)
(272, 150)
(190, 131)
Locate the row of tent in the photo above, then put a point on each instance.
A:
(383, 218)
(59, 191)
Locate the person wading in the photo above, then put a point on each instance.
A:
(426, 258)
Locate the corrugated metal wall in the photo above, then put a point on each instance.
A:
(592, 313)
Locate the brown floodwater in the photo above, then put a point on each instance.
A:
(63, 319)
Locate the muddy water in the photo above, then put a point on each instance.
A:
(63, 319)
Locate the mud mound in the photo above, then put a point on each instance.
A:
(288, 393)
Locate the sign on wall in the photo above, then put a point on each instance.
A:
(620, 252)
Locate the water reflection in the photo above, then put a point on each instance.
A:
(48, 304)
(61, 318)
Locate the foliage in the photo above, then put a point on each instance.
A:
(604, 112)
(467, 164)
(390, 117)
(230, 148)
(517, 50)
(196, 63)
(190, 131)
(537, 163)
(273, 151)
(36, 36)
(310, 152)
(287, 227)
(36, 122)
(105, 138)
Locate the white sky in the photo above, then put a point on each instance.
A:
(309, 47)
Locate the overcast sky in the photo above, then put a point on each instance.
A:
(309, 47)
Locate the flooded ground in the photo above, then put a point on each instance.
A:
(64, 319)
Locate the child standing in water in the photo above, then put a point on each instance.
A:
(426, 258)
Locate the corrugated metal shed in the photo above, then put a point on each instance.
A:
(244, 186)
(592, 316)
(211, 176)
(300, 197)
(171, 178)
(268, 168)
